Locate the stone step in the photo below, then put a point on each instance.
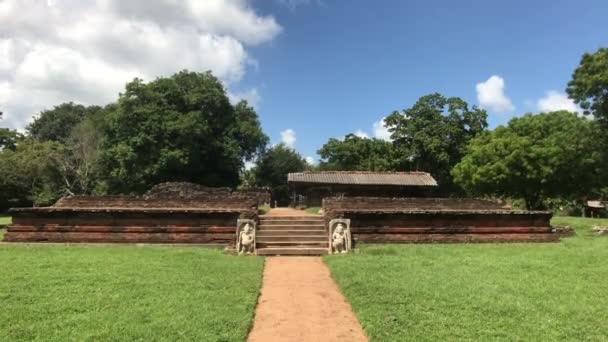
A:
(299, 243)
(291, 227)
(262, 239)
(286, 222)
(291, 251)
(299, 232)
(291, 218)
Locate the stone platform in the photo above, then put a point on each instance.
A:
(424, 220)
(130, 219)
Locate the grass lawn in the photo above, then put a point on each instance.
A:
(126, 293)
(312, 210)
(5, 220)
(530, 292)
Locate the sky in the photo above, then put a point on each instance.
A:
(313, 69)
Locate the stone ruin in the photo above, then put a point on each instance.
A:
(168, 213)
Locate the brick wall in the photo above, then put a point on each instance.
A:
(438, 220)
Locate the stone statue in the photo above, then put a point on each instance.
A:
(246, 239)
(340, 239)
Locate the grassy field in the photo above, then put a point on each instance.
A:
(312, 210)
(530, 292)
(126, 293)
(5, 219)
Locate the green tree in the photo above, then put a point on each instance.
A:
(355, 153)
(78, 161)
(589, 84)
(56, 124)
(180, 128)
(433, 134)
(8, 137)
(29, 174)
(533, 158)
(272, 168)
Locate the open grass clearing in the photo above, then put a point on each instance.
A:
(5, 219)
(312, 210)
(126, 293)
(531, 292)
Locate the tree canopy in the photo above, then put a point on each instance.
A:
(355, 153)
(272, 168)
(533, 158)
(589, 84)
(433, 134)
(56, 124)
(180, 128)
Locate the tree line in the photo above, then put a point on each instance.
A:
(184, 128)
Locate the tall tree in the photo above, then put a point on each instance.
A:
(589, 84)
(533, 158)
(8, 137)
(56, 124)
(29, 173)
(272, 169)
(357, 154)
(180, 128)
(433, 134)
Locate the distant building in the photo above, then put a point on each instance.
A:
(310, 187)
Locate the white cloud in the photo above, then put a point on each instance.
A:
(293, 4)
(491, 95)
(288, 137)
(381, 131)
(251, 96)
(361, 134)
(310, 160)
(85, 51)
(554, 101)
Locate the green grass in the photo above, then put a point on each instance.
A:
(5, 220)
(481, 292)
(312, 210)
(126, 293)
(264, 209)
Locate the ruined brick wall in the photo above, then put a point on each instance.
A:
(438, 220)
(194, 218)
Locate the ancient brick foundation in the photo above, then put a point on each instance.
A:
(129, 219)
(438, 220)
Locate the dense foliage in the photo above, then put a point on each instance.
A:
(589, 84)
(272, 169)
(56, 124)
(355, 153)
(535, 157)
(433, 134)
(181, 128)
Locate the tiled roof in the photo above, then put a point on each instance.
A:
(363, 178)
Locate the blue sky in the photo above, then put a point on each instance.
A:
(314, 69)
(340, 66)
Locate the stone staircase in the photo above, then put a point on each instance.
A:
(291, 235)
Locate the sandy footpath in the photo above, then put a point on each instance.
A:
(300, 302)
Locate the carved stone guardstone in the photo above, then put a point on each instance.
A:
(340, 240)
(245, 236)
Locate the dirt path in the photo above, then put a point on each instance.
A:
(301, 302)
(288, 212)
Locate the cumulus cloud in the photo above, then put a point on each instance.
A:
(294, 4)
(554, 100)
(288, 137)
(310, 160)
(251, 96)
(361, 134)
(491, 95)
(85, 51)
(381, 131)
